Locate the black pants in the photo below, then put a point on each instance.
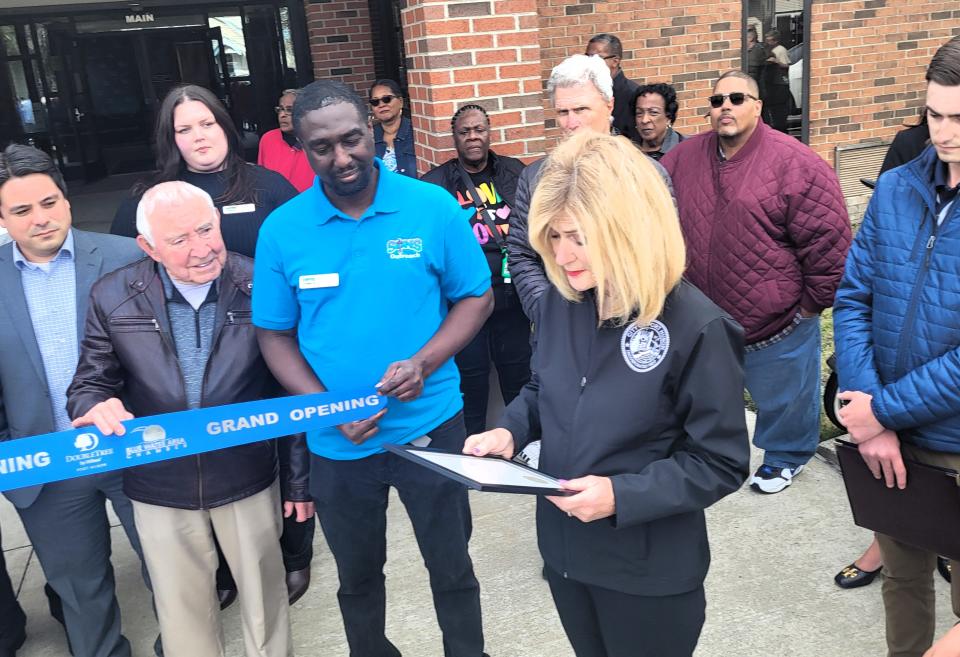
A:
(776, 106)
(604, 623)
(352, 498)
(13, 622)
(505, 340)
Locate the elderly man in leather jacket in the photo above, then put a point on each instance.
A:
(173, 332)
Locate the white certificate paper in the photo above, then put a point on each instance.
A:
(491, 472)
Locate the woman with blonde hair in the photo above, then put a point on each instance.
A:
(636, 395)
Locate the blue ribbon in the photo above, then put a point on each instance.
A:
(67, 454)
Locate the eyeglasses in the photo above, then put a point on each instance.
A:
(600, 56)
(283, 109)
(736, 98)
(386, 100)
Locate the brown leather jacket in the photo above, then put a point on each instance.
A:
(128, 352)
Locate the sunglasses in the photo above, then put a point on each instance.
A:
(736, 98)
(386, 100)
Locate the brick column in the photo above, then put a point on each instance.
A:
(341, 41)
(466, 51)
(868, 63)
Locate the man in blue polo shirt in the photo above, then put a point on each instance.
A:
(370, 279)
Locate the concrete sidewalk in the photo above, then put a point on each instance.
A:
(770, 591)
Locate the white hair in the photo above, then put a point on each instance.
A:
(163, 194)
(578, 70)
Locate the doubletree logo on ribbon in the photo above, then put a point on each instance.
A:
(68, 454)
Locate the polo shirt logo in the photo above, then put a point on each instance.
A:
(403, 247)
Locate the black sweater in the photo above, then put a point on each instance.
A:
(269, 190)
(659, 411)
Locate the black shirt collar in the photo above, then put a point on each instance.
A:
(941, 183)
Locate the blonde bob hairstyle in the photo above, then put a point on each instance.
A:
(623, 211)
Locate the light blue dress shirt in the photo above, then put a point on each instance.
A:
(50, 289)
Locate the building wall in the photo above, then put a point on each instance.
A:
(687, 43)
(866, 70)
(869, 58)
(341, 41)
(483, 52)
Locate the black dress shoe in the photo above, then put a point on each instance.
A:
(226, 597)
(298, 581)
(852, 577)
(943, 567)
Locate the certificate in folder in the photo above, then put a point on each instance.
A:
(925, 514)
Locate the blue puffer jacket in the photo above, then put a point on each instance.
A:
(897, 312)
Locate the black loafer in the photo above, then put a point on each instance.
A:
(943, 567)
(852, 577)
(298, 581)
(226, 597)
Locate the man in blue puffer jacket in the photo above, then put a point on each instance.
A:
(897, 326)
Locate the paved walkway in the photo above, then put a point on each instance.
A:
(770, 590)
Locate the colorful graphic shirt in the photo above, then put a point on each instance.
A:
(497, 211)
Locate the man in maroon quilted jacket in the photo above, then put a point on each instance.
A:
(767, 233)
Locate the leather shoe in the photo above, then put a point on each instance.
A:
(298, 581)
(852, 577)
(227, 597)
(943, 567)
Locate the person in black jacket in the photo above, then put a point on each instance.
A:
(609, 48)
(487, 183)
(197, 142)
(169, 333)
(635, 394)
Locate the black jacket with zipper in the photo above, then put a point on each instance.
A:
(128, 352)
(669, 430)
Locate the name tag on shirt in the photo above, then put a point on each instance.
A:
(238, 209)
(314, 281)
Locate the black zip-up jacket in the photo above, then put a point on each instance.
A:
(128, 352)
(660, 411)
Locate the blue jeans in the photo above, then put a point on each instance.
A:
(784, 381)
(351, 498)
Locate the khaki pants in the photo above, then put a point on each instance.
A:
(182, 559)
(908, 595)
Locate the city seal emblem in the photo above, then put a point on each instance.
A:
(645, 347)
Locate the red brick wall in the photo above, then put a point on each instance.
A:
(686, 43)
(341, 42)
(867, 68)
(484, 52)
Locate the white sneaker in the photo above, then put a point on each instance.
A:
(769, 479)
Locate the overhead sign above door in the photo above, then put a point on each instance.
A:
(136, 21)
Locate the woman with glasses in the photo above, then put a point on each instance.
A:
(280, 149)
(392, 132)
(196, 142)
(636, 395)
(655, 106)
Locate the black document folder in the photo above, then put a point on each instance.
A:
(925, 514)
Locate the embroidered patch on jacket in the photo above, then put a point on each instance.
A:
(403, 247)
(645, 347)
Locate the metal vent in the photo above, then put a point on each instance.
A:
(858, 161)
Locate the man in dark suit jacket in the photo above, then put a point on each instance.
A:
(45, 278)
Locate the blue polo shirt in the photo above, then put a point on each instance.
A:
(365, 293)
